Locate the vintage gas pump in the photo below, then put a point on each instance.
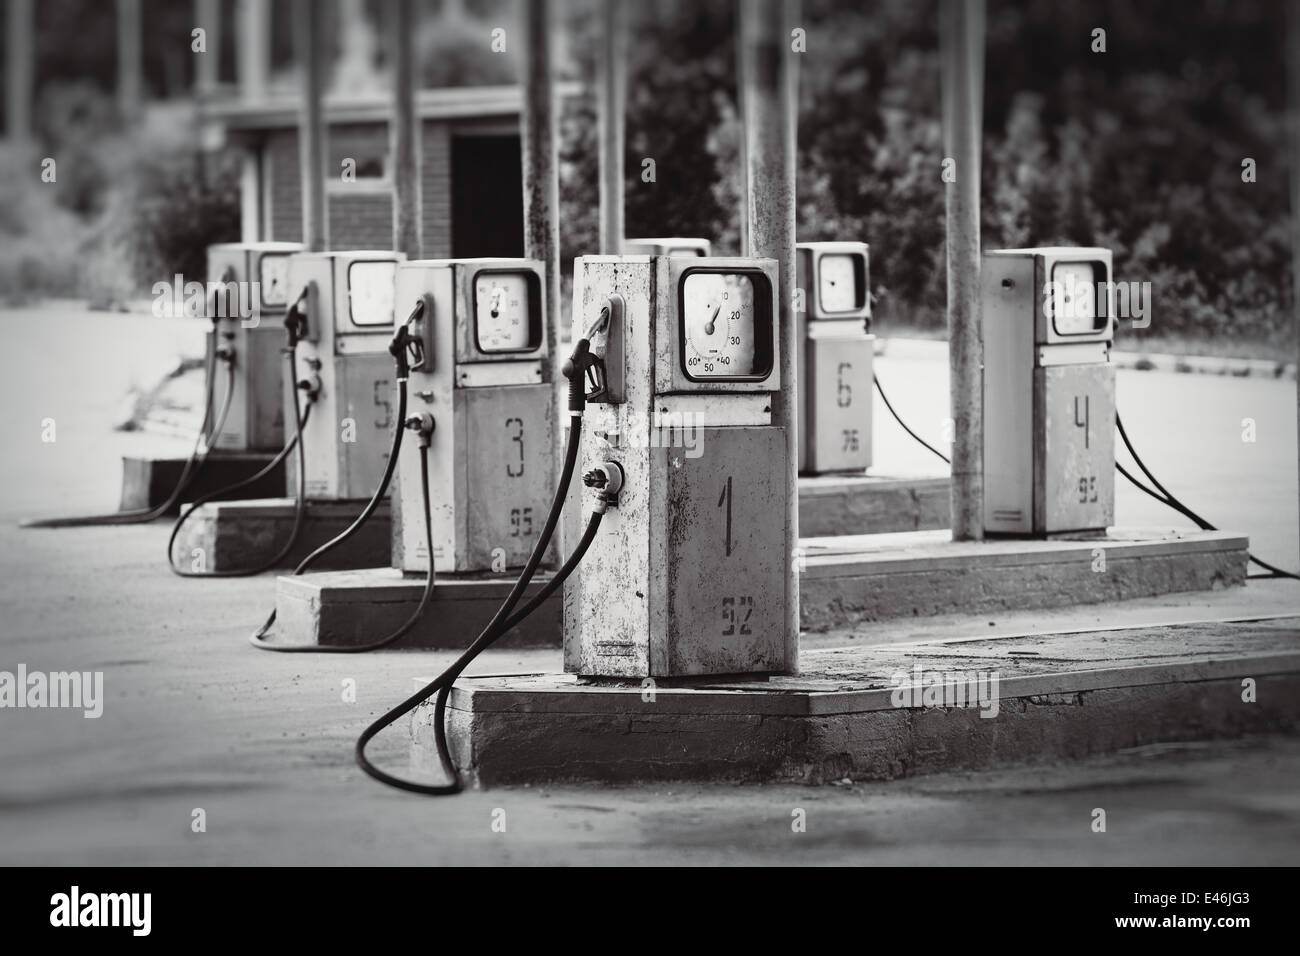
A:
(343, 360)
(1049, 391)
(669, 246)
(691, 574)
(480, 380)
(836, 352)
(250, 297)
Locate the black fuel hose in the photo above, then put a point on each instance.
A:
(193, 465)
(1165, 497)
(503, 620)
(398, 349)
(300, 417)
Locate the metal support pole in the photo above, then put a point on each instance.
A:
(542, 187)
(541, 171)
(207, 65)
(611, 107)
(743, 151)
(1293, 129)
(407, 207)
(253, 49)
(20, 68)
(769, 76)
(310, 48)
(128, 58)
(962, 55)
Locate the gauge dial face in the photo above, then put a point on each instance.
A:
(502, 317)
(719, 326)
(1073, 297)
(837, 284)
(272, 277)
(370, 292)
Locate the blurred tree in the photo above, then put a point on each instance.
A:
(1138, 148)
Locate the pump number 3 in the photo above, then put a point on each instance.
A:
(515, 430)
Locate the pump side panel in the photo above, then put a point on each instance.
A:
(1009, 296)
(509, 485)
(804, 281)
(609, 624)
(315, 362)
(234, 434)
(1075, 474)
(430, 391)
(367, 398)
(837, 398)
(263, 367)
(725, 563)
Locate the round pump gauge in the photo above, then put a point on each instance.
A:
(726, 326)
(502, 312)
(1073, 296)
(370, 292)
(837, 278)
(272, 277)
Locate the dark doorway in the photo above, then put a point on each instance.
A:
(487, 197)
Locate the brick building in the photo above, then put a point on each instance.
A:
(470, 170)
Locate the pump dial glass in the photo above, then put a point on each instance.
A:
(370, 292)
(502, 319)
(1073, 295)
(724, 321)
(837, 283)
(273, 277)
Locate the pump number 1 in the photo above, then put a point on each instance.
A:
(725, 498)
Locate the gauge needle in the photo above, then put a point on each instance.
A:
(709, 326)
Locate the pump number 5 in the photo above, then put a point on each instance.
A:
(381, 401)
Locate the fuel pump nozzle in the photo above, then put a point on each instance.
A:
(295, 326)
(224, 350)
(407, 348)
(584, 365)
(295, 319)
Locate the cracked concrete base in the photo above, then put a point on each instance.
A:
(235, 534)
(856, 578)
(356, 607)
(1060, 697)
(847, 582)
(147, 482)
